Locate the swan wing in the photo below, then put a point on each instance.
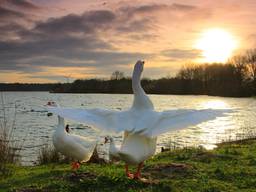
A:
(178, 119)
(103, 119)
(85, 142)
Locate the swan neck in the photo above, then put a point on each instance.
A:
(141, 100)
(136, 84)
(61, 125)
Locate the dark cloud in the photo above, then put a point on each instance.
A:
(177, 54)
(66, 47)
(143, 18)
(149, 9)
(69, 41)
(183, 7)
(21, 4)
(143, 9)
(14, 16)
(135, 26)
(10, 30)
(15, 9)
(99, 16)
(100, 59)
(76, 40)
(86, 23)
(9, 14)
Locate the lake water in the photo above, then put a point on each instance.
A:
(34, 128)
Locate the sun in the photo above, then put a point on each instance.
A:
(217, 45)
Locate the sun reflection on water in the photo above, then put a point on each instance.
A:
(215, 104)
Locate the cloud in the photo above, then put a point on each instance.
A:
(152, 8)
(20, 4)
(16, 9)
(61, 42)
(59, 78)
(9, 31)
(86, 23)
(183, 7)
(15, 15)
(95, 38)
(9, 14)
(150, 19)
(177, 54)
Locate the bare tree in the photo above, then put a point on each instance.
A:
(185, 72)
(251, 63)
(191, 71)
(117, 75)
(239, 61)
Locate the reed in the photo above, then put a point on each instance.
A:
(48, 154)
(9, 147)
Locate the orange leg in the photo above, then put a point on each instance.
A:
(128, 174)
(138, 174)
(75, 165)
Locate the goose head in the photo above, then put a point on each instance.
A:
(138, 68)
(52, 104)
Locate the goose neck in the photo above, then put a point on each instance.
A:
(136, 84)
(61, 126)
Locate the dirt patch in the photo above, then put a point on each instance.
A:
(207, 157)
(170, 170)
(75, 177)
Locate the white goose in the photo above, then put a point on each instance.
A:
(141, 123)
(71, 145)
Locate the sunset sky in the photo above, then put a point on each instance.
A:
(50, 40)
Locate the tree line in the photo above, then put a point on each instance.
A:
(235, 78)
(29, 86)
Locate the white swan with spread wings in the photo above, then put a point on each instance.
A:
(141, 124)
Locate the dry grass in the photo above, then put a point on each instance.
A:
(48, 154)
(9, 147)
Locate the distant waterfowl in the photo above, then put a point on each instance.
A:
(67, 128)
(165, 149)
(71, 145)
(141, 123)
(49, 114)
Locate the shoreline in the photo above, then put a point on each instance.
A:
(229, 167)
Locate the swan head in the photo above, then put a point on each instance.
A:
(138, 67)
(52, 104)
(108, 139)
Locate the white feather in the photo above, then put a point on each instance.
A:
(74, 146)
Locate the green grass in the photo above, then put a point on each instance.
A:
(230, 167)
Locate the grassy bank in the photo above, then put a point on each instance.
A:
(230, 167)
